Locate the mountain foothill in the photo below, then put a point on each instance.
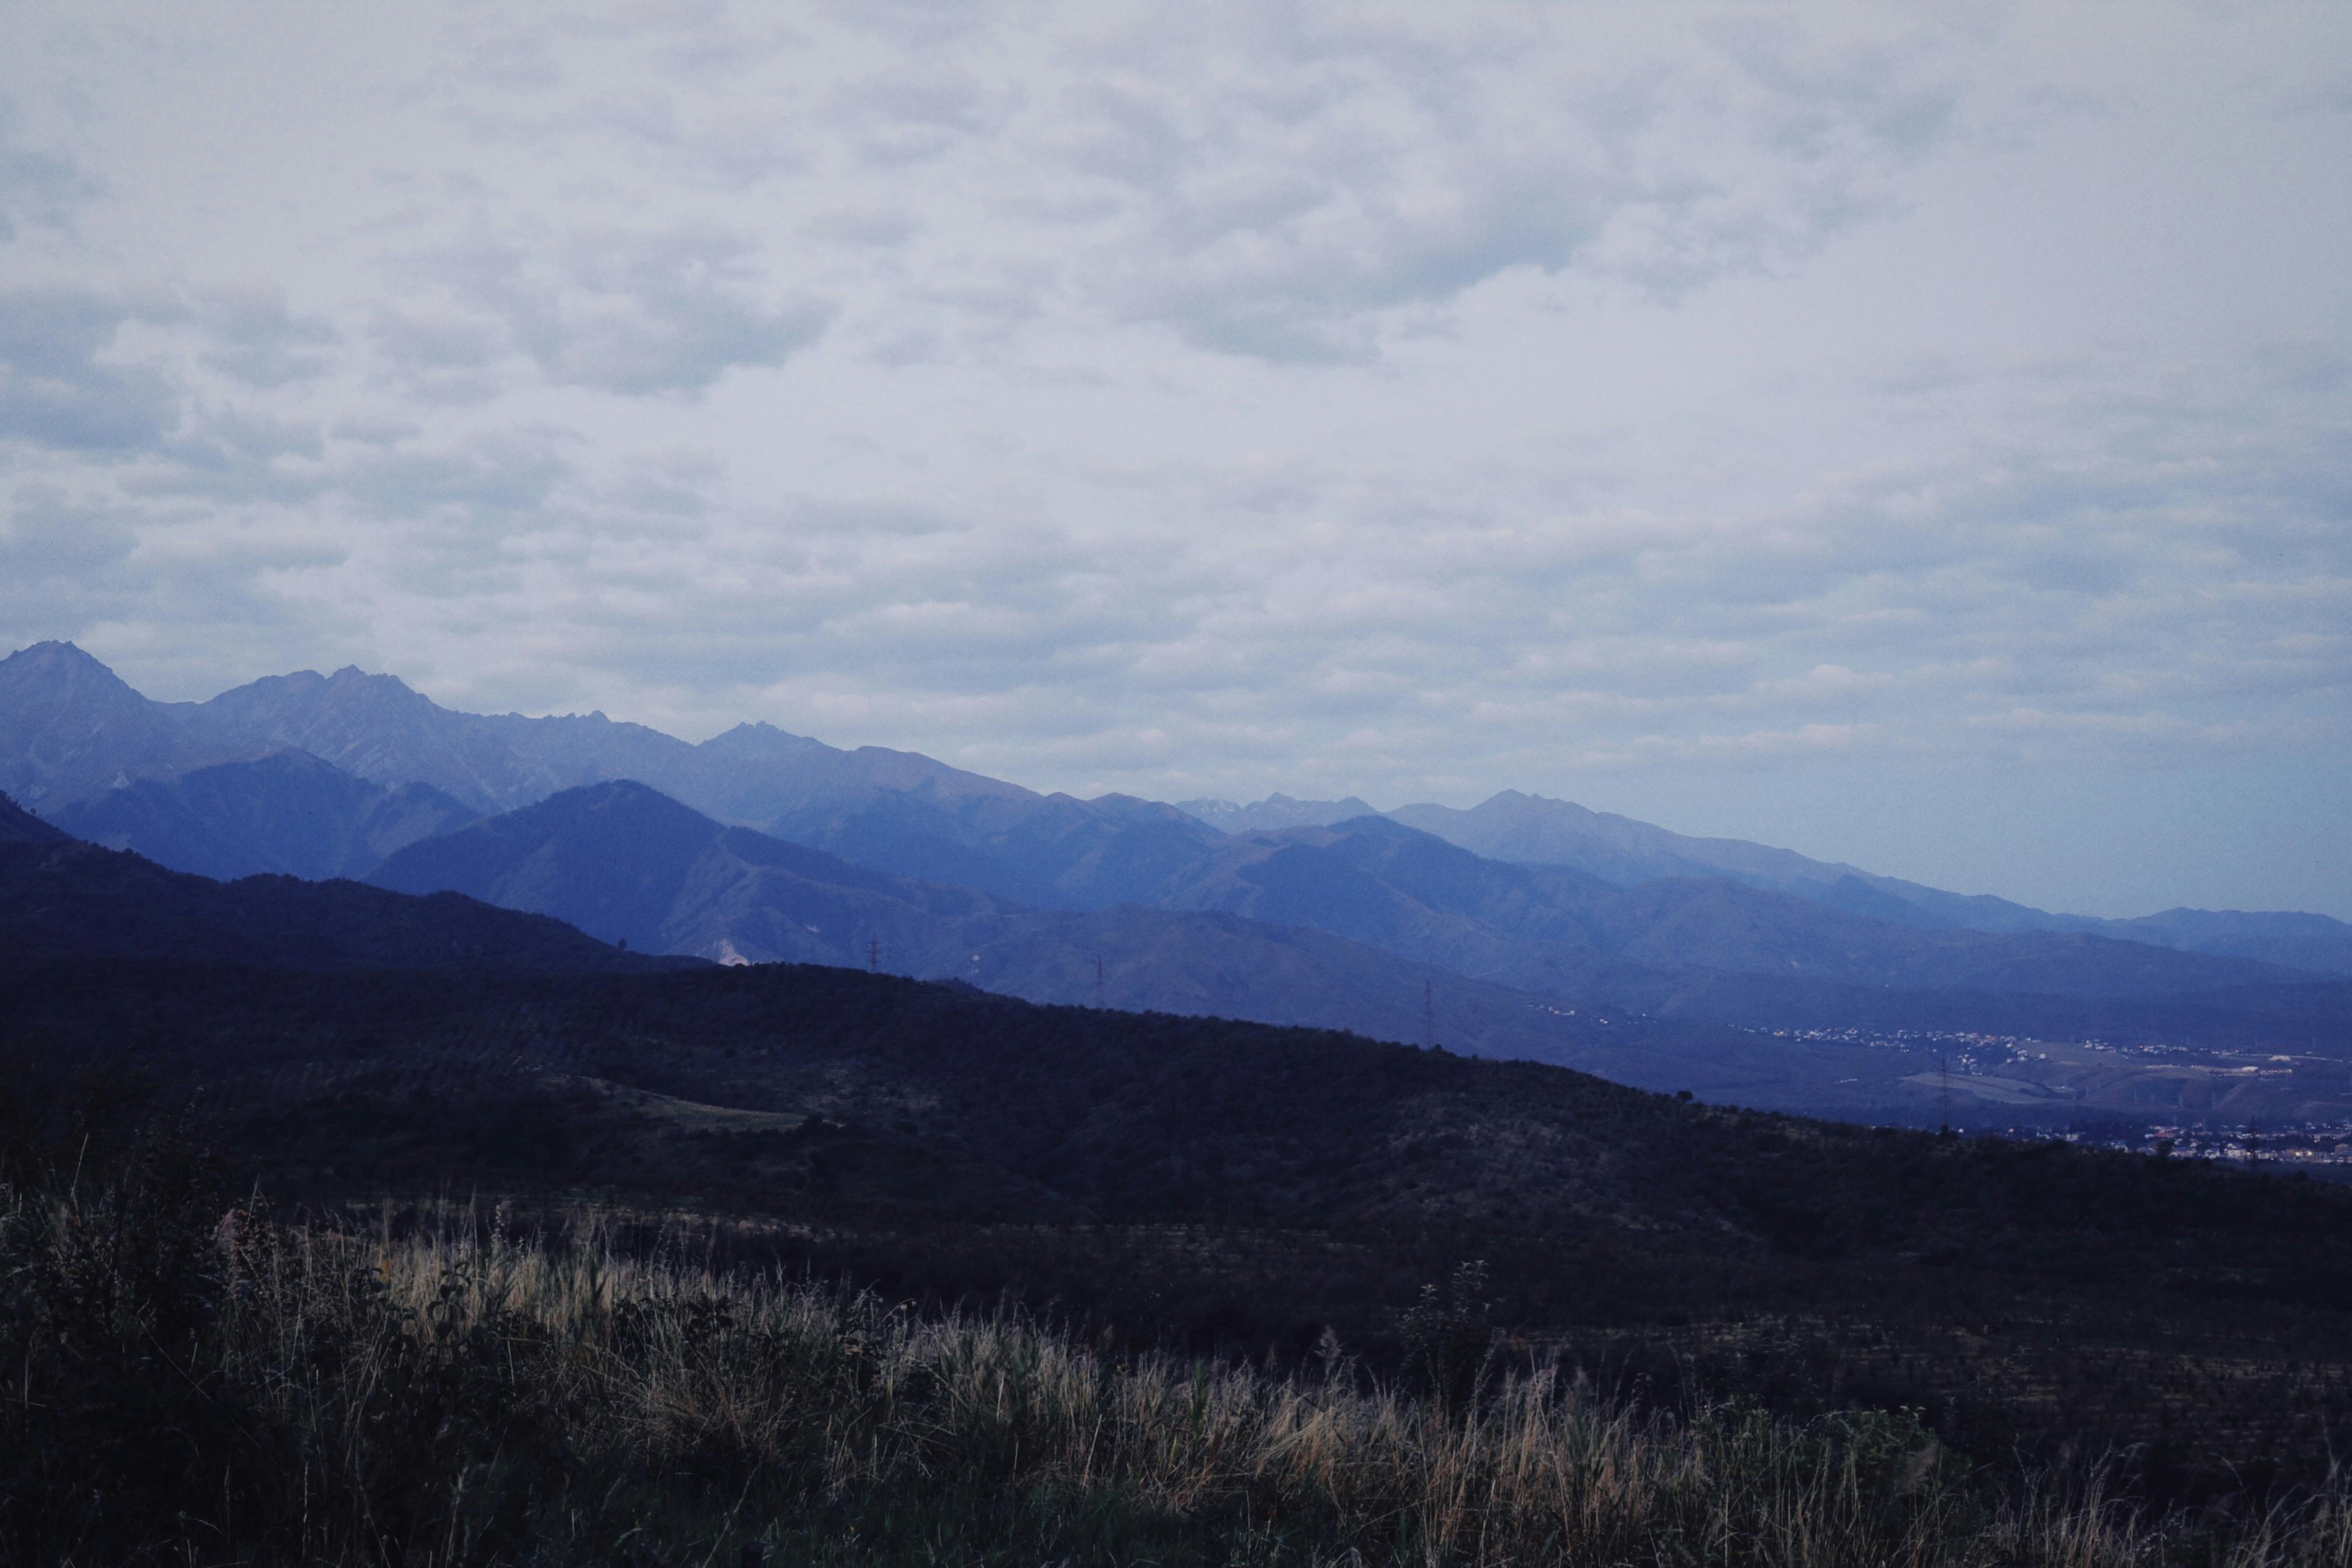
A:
(1523, 928)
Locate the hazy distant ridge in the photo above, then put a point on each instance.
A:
(1531, 830)
(74, 739)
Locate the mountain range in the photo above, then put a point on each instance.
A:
(628, 865)
(1375, 927)
(1528, 920)
(287, 813)
(70, 731)
(1531, 830)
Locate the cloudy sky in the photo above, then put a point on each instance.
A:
(1917, 435)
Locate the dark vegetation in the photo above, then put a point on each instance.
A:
(199, 1390)
(195, 1380)
(68, 897)
(1240, 1191)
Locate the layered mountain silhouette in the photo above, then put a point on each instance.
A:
(1275, 812)
(287, 813)
(1364, 926)
(68, 898)
(70, 730)
(1531, 830)
(626, 864)
(1522, 892)
(1560, 930)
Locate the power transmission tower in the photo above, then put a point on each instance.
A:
(874, 955)
(1428, 1014)
(1099, 982)
(1944, 1085)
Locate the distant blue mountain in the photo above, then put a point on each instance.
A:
(71, 732)
(1530, 830)
(626, 864)
(287, 813)
(1362, 926)
(1275, 812)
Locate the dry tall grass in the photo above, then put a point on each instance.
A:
(464, 1396)
(832, 1407)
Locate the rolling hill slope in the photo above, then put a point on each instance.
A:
(75, 900)
(18, 825)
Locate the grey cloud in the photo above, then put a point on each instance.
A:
(1820, 103)
(47, 535)
(488, 475)
(663, 495)
(440, 357)
(375, 431)
(920, 98)
(637, 314)
(873, 228)
(232, 455)
(2307, 366)
(673, 313)
(56, 391)
(515, 59)
(424, 343)
(867, 519)
(1921, 376)
(35, 188)
(1287, 292)
(261, 342)
(1295, 225)
(1300, 187)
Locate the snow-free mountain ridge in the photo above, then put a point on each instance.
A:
(71, 734)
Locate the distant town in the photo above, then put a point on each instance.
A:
(2248, 1118)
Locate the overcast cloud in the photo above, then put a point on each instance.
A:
(1918, 434)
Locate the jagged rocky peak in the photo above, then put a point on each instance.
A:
(349, 687)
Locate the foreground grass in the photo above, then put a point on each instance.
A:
(186, 1387)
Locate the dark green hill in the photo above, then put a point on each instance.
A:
(1127, 1118)
(77, 899)
(18, 825)
(1239, 1187)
